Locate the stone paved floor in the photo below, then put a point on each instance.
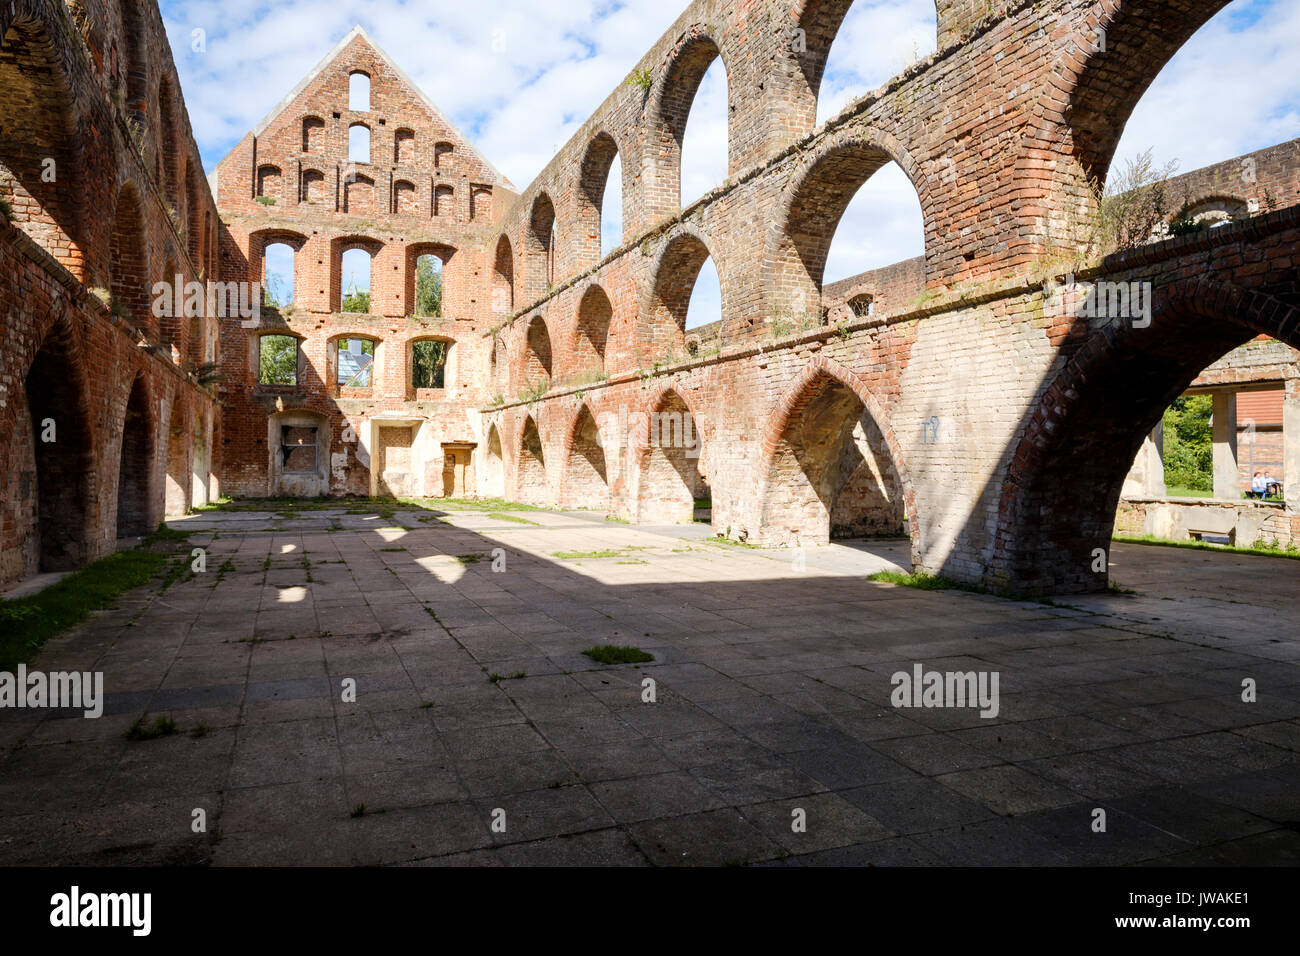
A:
(773, 695)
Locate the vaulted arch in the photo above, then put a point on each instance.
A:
(830, 465)
(530, 471)
(593, 177)
(669, 451)
(670, 109)
(585, 482)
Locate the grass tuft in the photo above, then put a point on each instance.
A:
(618, 654)
(162, 726)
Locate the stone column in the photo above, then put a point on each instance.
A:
(1146, 479)
(1226, 480)
(1291, 445)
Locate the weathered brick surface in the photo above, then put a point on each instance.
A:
(425, 191)
(83, 359)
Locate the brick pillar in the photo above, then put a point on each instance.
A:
(1226, 481)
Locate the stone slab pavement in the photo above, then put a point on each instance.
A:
(474, 704)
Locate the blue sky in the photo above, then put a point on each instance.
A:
(518, 78)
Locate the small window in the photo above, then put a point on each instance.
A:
(428, 286)
(358, 143)
(277, 278)
(428, 364)
(359, 92)
(356, 359)
(355, 291)
(278, 360)
(863, 305)
(298, 449)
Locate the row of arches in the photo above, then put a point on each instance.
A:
(428, 281)
(354, 362)
(552, 240)
(154, 227)
(79, 477)
(828, 466)
(358, 194)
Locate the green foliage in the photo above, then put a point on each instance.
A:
(641, 79)
(1182, 224)
(1189, 447)
(277, 360)
(27, 623)
(618, 654)
(428, 287)
(1132, 204)
(161, 727)
(356, 302)
(428, 364)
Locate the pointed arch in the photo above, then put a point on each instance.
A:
(670, 448)
(530, 470)
(830, 463)
(1065, 471)
(585, 480)
(593, 176)
(135, 496)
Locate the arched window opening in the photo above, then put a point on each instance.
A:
(355, 358)
(359, 143)
(278, 275)
(898, 33)
(39, 180)
(428, 286)
(359, 92)
(277, 360)
(135, 467)
(538, 365)
(313, 186)
(355, 274)
(442, 155)
(540, 244)
(704, 144)
(594, 316)
(429, 363)
(706, 297)
(611, 209)
(503, 279)
(404, 202)
(269, 184)
(881, 225)
(359, 195)
(444, 201)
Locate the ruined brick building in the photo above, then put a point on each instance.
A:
(950, 398)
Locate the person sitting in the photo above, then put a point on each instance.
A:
(1271, 486)
(1257, 487)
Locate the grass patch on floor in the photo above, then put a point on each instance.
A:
(578, 555)
(27, 623)
(1268, 551)
(922, 581)
(162, 726)
(723, 539)
(502, 516)
(618, 654)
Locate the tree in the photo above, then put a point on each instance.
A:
(428, 287)
(356, 302)
(277, 360)
(428, 363)
(1189, 444)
